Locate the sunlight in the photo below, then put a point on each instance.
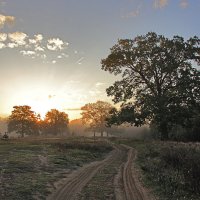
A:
(43, 106)
(43, 97)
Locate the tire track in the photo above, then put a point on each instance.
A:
(78, 179)
(127, 186)
(130, 185)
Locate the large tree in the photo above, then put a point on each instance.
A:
(55, 122)
(160, 82)
(23, 120)
(95, 114)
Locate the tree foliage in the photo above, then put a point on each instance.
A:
(95, 115)
(23, 120)
(160, 82)
(55, 122)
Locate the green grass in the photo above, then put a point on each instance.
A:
(29, 166)
(172, 170)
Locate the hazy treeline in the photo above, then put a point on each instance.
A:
(23, 121)
(77, 128)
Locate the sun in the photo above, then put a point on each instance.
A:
(42, 97)
(42, 106)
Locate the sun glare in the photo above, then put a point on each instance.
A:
(43, 106)
(42, 99)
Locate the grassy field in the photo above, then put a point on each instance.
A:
(171, 169)
(30, 167)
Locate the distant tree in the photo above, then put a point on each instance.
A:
(77, 127)
(95, 115)
(23, 120)
(55, 122)
(160, 82)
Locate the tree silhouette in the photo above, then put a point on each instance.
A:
(95, 115)
(23, 120)
(159, 83)
(55, 122)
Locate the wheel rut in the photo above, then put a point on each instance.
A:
(78, 179)
(127, 186)
(131, 188)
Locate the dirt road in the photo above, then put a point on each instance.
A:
(126, 183)
(131, 188)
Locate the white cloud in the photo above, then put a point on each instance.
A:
(160, 3)
(35, 46)
(55, 44)
(98, 84)
(12, 45)
(32, 41)
(3, 37)
(2, 45)
(18, 37)
(184, 3)
(27, 53)
(65, 55)
(39, 48)
(37, 39)
(6, 20)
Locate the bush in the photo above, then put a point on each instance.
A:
(174, 167)
(186, 161)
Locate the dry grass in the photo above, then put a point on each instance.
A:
(29, 167)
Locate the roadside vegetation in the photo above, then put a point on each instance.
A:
(171, 169)
(30, 168)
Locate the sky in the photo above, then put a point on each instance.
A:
(51, 51)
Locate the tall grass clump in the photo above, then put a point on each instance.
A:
(172, 169)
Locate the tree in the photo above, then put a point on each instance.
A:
(159, 83)
(95, 114)
(55, 122)
(77, 127)
(23, 120)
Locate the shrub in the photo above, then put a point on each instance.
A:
(174, 167)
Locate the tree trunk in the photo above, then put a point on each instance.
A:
(101, 133)
(163, 129)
